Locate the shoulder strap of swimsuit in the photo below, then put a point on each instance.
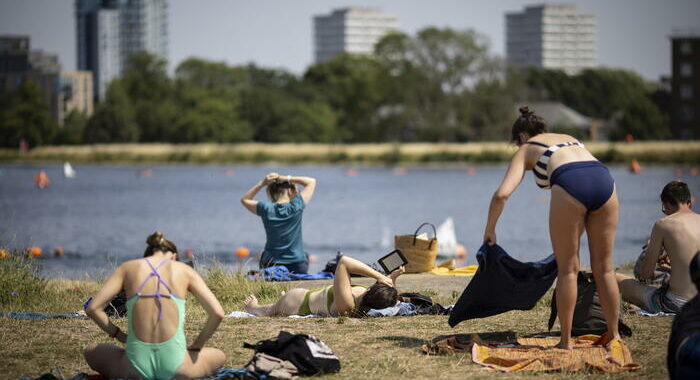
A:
(157, 295)
(537, 143)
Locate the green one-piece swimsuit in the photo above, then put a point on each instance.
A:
(156, 360)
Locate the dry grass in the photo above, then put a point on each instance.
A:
(387, 153)
(386, 348)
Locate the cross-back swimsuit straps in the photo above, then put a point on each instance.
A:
(305, 309)
(156, 360)
(589, 182)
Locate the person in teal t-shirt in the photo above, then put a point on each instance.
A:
(282, 219)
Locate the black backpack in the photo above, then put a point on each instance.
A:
(306, 352)
(588, 316)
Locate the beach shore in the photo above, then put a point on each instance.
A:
(411, 154)
(370, 348)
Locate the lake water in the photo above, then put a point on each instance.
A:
(103, 216)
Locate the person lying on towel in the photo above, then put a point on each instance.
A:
(341, 298)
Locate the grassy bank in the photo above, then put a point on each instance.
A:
(666, 152)
(371, 348)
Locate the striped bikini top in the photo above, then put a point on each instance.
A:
(540, 169)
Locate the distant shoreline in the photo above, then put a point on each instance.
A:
(409, 154)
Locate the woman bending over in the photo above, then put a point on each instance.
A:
(583, 198)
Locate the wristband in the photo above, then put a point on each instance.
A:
(194, 349)
(289, 178)
(115, 333)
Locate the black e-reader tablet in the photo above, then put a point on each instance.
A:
(392, 261)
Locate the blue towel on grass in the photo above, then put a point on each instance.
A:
(32, 315)
(281, 273)
(502, 284)
(403, 309)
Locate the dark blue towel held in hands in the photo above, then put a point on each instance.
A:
(502, 284)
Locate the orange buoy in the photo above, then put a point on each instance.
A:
(58, 251)
(351, 173)
(4, 254)
(242, 252)
(693, 171)
(42, 180)
(635, 167)
(33, 252)
(230, 173)
(471, 171)
(145, 173)
(189, 254)
(678, 172)
(400, 171)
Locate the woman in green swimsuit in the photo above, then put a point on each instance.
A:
(157, 286)
(341, 298)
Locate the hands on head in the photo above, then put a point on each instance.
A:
(271, 178)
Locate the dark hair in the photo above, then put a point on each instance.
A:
(378, 296)
(675, 193)
(156, 242)
(529, 123)
(695, 270)
(276, 189)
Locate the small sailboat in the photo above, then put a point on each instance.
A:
(448, 247)
(68, 170)
(387, 239)
(447, 239)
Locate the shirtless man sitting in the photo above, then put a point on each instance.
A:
(679, 235)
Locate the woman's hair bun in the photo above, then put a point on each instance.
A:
(156, 239)
(525, 111)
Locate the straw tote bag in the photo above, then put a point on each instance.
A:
(420, 253)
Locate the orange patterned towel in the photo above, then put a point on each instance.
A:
(538, 354)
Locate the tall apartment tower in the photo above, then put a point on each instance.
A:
(552, 36)
(685, 84)
(110, 31)
(350, 30)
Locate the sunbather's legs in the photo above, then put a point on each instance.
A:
(110, 361)
(288, 304)
(601, 226)
(252, 306)
(633, 291)
(566, 224)
(200, 364)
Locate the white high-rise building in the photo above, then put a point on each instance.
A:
(144, 27)
(552, 36)
(350, 30)
(110, 31)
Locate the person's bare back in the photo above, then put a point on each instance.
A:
(680, 238)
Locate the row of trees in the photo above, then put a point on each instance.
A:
(439, 85)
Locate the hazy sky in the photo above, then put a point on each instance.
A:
(631, 34)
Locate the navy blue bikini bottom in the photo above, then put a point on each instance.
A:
(589, 182)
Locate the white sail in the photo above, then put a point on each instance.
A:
(386, 238)
(447, 239)
(68, 170)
